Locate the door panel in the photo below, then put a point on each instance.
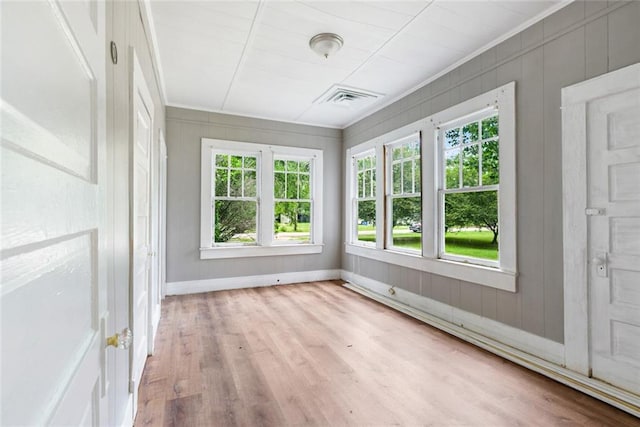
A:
(53, 288)
(613, 131)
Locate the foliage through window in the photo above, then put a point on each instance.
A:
(470, 155)
(404, 201)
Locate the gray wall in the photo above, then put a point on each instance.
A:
(126, 27)
(185, 128)
(580, 41)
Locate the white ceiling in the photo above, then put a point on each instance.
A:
(252, 58)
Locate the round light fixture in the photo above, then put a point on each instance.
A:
(325, 44)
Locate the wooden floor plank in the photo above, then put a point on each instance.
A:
(319, 354)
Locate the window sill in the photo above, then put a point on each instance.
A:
(486, 276)
(257, 251)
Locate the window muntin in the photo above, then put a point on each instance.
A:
(235, 199)
(365, 198)
(470, 189)
(293, 204)
(404, 198)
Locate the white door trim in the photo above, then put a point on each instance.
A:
(139, 88)
(574, 200)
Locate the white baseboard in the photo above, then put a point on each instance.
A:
(439, 312)
(241, 282)
(531, 351)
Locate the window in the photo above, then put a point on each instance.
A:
(259, 200)
(292, 200)
(404, 201)
(470, 189)
(235, 201)
(450, 190)
(365, 200)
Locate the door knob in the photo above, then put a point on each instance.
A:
(600, 262)
(121, 340)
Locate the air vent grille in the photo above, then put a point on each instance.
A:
(345, 96)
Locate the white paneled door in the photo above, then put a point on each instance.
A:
(141, 227)
(613, 136)
(53, 239)
(601, 231)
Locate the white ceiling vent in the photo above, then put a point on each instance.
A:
(345, 96)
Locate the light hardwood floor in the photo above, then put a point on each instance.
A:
(319, 354)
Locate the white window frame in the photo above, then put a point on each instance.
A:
(389, 196)
(266, 244)
(502, 277)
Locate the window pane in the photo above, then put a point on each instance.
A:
(250, 183)
(471, 224)
(452, 168)
(304, 166)
(366, 182)
(407, 227)
(490, 127)
(360, 164)
(418, 180)
(236, 162)
(490, 163)
(470, 165)
(235, 185)
(360, 184)
(278, 165)
(451, 138)
(407, 150)
(367, 162)
(292, 186)
(470, 133)
(396, 175)
(407, 177)
(305, 187)
(235, 222)
(372, 189)
(292, 222)
(279, 185)
(366, 221)
(397, 153)
(222, 160)
(249, 162)
(292, 166)
(221, 182)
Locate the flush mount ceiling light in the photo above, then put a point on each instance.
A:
(325, 44)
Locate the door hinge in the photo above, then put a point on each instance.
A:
(594, 211)
(132, 386)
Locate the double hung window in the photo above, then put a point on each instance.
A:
(259, 200)
(404, 201)
(235, 200)
(365, 197)
(470, 189)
